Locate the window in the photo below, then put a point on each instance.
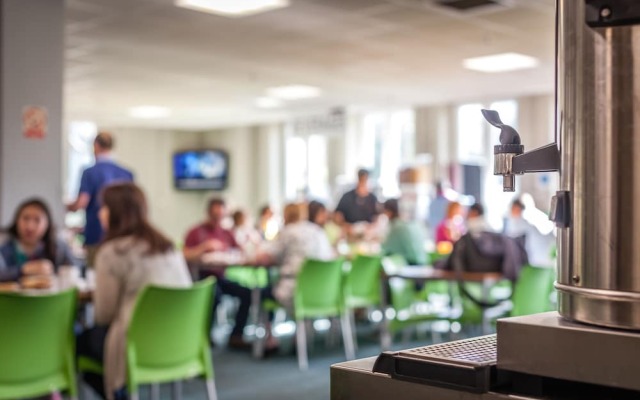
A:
(79, 156)
(307, 175)
(388, 142)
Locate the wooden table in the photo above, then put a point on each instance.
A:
(423, 273)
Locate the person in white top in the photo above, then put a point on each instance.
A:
(527, 222)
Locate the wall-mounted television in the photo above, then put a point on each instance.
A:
(201, 169)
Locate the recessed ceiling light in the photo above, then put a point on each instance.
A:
(501, 62)
(232, 8)
(149, 112)
(294, 92)
(268, 102)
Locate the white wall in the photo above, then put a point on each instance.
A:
(149, 154)
(255, 178)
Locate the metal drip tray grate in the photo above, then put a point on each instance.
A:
(467, 364)
(475, 351)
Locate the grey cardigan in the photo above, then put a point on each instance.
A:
(122, 269)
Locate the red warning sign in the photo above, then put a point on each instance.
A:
(34, 122)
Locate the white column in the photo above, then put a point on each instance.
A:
(31, 69)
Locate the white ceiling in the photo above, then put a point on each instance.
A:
(362, 53)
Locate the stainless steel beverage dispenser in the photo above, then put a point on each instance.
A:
(597, 151)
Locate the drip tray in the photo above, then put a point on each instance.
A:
(468, 364)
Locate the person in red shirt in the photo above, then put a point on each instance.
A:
(210, 236)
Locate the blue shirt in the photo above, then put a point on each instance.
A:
(94, 178)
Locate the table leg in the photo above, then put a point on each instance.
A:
(258, 343)
(486, 290)
(385, 334)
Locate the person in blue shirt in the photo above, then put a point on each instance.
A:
(32, 248)
(94, 179)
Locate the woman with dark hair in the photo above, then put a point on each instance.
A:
(32, 248)
(133, 254)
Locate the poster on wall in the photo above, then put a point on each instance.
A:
(34, 122)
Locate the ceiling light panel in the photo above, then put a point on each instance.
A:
(294, 92)
(232, 8)
(503, 62)
(149, 112)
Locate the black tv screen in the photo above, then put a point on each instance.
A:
(201, 170)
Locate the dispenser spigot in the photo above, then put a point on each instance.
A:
(511, 160)
(504, 153)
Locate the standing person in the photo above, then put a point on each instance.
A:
(359, 204)
(404, 238)
(532, 228)
(210, 236)
(437, 209)
(94, 179)
(132, 255)
(32, 247)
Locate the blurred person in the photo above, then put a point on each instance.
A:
(32, 247)
(451, 228)
(437, 209)
(298, 240)
(359, 204)
(93, 180)
(267, 224)
(404, 238)
(533, 229)
(476, 221)
(132, 255)
(210, 236)
(246, 236)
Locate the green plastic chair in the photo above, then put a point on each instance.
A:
(37, 345)
(319, 294)
(167, 339)
(362, 285)
(249, 277)
(532, 291)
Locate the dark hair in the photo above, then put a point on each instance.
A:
(238, 216)
(518, 203)
(104, 140)
(363, 173)
(215, 202)
(393, 206)
(128, 217)
(264, 209)
(314, 208)
(478, 208)
(49, 237)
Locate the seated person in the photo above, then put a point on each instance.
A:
(210, 236)
(297, 241)
(481, 250)
(245, 235)
(32, 248)
(133, 254)
(451, 228)
(404, 238)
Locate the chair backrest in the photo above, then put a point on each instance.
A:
(169, 325)
(363, 280)
(393, 263)
(532, 291)
(319, 288)
(36, 343)
(249, 277)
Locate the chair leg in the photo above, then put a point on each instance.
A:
(347, 336)
(211, 390)
(301, 342)
(154, 391)
(176, 390)
(352, 316)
